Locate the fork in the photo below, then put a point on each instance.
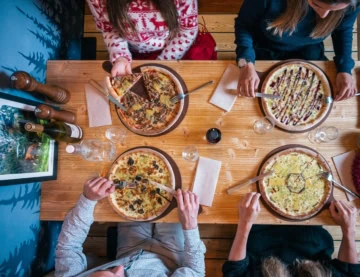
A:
(181, 96)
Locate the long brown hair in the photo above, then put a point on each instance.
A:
(297, 9)
(119, 16)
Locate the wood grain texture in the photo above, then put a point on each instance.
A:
(240, 150)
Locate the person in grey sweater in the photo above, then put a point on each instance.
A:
(144, 249)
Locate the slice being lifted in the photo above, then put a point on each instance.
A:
(120, 85)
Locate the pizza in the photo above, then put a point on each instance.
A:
(142, 200)
(156, 114)
(118, 86)
(295, 189)
(303, 88)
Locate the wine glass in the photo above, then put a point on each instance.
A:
(116, 135)
(190, 153)
(323, 134)
(264, 125)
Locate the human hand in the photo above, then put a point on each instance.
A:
(117, 271)
(249, 209)
(344, 215)
(121, 67)
(188, 208)
(248, 80)
(345, 86)
(97, 188)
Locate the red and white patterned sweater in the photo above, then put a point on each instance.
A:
(152, 31)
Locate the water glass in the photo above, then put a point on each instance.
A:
(190, 153)
(323, 134)
(116, 135)
(264, 125)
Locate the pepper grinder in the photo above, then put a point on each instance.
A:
(23, 81)
(46, 112)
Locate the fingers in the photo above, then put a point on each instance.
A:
(179, 198)
(128, 70)
(255, 200)
(332, 209)
(251, 90)
(104, 187)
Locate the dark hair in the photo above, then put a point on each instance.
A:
(119, 16)
(297, 9)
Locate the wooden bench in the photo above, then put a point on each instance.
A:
(221, 27)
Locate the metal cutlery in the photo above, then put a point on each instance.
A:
(328, 176)
(181, 96)
(250, 181)
(257, 94)
(357, 94)
(106, 93)
(126, 184)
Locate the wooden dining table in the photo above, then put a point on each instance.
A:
(241, 150)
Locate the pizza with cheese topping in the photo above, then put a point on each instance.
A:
(140, 199)
(296, 189)
(118, 86)
(303, 88)
(154, 114)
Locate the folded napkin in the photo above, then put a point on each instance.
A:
(97, 106)
(207, 174)
(229, 80)
(343, 164)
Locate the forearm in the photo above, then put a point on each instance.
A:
(117, 47)
(70, 260)
(238, 248)
(194, 256)
(347, 251)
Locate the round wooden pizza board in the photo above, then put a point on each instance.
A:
(177, 177)
(286, 147)
(263, 75)
(139, 88)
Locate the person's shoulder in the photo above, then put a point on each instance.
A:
(345, 269)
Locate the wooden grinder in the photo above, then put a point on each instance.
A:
(23, 81)
(46, 112)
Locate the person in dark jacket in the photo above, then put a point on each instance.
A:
(271, 250)
(295, 29)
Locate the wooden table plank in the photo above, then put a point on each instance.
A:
(240, 150)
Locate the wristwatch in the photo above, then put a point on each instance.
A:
(243, 62)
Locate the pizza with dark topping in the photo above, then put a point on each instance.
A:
(303, 88)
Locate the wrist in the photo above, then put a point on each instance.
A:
(348, 232)
(189, 226)
(244, 227)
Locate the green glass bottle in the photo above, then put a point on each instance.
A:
(57, 130)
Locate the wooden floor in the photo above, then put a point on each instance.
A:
(216, 237)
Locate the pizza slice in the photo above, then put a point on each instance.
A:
(118, 86)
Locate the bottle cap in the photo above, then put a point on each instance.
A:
(70, 149)
(213, 135)
(32, 127)
(42, 111)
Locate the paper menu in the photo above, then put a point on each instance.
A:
(229, 80)
(207, 174)
(343, 164)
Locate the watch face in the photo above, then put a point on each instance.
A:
(242, 63)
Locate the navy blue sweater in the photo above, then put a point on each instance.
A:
(253, 19)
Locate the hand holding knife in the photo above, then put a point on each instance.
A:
(104, 91)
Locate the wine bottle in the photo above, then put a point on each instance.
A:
(57, 130)
(93, 150)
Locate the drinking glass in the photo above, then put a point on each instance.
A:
(116, 135)
(190, 153)
(264, 125)
(323, 134)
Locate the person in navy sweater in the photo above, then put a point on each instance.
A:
(295, 29)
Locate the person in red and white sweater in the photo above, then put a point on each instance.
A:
(145, 29)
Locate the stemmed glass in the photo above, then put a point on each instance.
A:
(323, 134)
(264, 125)
(190, 153)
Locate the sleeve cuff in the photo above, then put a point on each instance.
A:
(192, 236)
(346, 267)
(85, 203)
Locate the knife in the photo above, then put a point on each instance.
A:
(257, 94)
(266, 95)
(106, 93)
(131, 185)
(250, 181)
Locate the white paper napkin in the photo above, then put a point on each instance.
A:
(97, 107)
(229, 80)
(207, 174)
(343, 164)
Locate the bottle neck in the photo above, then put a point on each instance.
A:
(32, 127)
